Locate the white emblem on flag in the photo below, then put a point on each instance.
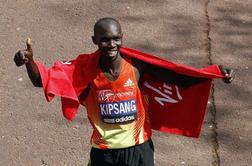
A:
(128, 83)
(165, 93)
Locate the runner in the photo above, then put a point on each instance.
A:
(113, 99)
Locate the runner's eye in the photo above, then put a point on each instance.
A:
(104, 40)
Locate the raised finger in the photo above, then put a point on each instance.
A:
(28, 44)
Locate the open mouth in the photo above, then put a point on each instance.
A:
(112, 52)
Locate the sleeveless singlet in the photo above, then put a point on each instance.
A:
(117, 110)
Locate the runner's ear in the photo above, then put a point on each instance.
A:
(94, 41)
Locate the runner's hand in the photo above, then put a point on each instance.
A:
(229, 74)
(24, 56)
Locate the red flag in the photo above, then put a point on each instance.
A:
(172, 109)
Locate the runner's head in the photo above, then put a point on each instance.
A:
(108, 36)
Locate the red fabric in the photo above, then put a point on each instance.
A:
(170, 115)
(181, 114)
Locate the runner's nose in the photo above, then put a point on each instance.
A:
(112, 43)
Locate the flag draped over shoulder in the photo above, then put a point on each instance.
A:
(172, 109)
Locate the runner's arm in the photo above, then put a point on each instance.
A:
(33, 73)
(26, 57)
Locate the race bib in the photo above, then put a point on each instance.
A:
(118, 112)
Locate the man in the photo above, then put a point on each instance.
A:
(115, 105)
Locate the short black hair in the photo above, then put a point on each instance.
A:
(103, 22)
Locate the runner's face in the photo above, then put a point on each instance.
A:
(109, 41)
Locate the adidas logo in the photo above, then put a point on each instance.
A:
(128, 83)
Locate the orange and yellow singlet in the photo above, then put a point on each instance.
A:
(117, 110)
